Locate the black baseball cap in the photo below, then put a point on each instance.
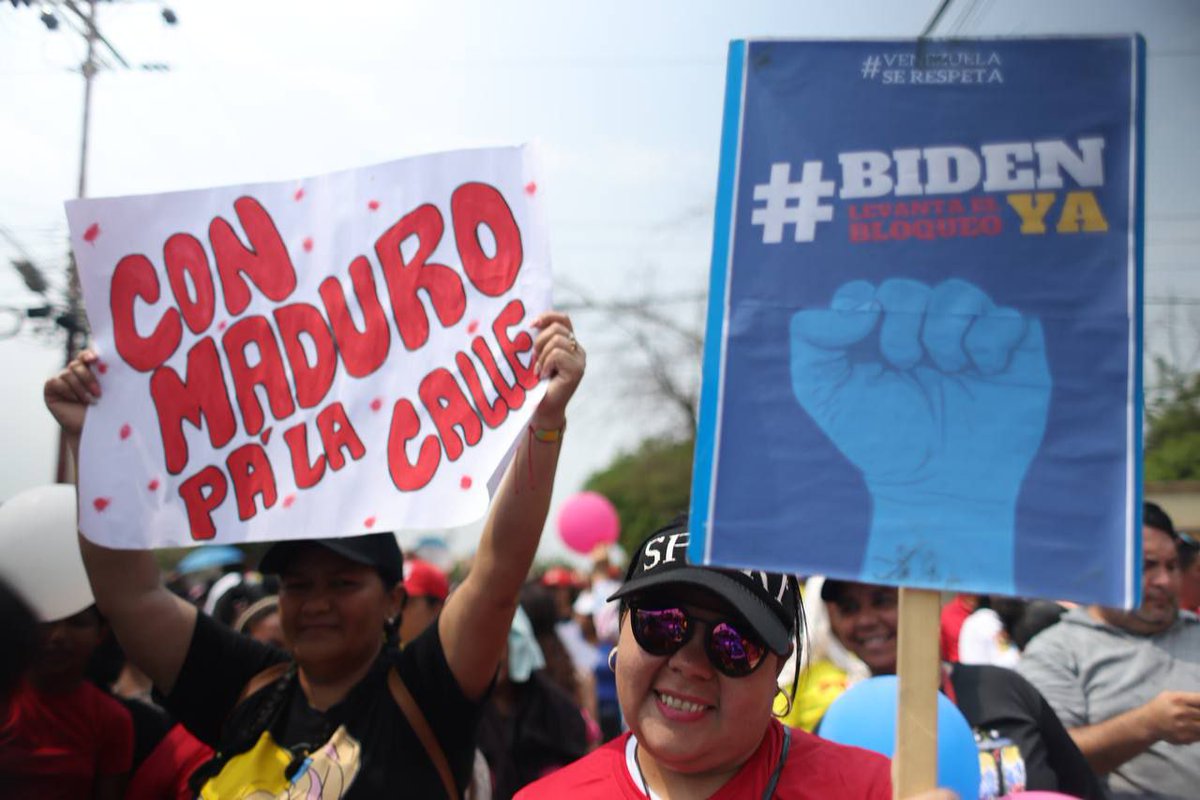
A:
(765, 600)
(378, 550)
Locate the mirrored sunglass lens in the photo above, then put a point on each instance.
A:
(733, 653)
(660, 631)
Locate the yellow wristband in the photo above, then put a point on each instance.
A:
(551, 435)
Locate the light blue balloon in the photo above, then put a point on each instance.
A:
(865, 716)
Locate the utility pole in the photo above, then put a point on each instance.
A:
(89, 71)
(73, 320)
(65, 469)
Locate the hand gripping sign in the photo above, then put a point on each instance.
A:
(310, 358)
(923, 350)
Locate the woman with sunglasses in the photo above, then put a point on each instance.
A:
(697, 659)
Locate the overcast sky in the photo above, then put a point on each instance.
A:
(623, 96)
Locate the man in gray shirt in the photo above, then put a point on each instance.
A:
(1126, 684)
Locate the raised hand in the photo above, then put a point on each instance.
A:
(560, 359)
(940, 398)
(69, 393)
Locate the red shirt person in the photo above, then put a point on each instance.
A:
(698, 655)
(954, 614)
(425, 588)
(60, 736)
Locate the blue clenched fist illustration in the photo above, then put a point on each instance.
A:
(940, 398)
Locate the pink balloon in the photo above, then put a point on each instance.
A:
(587, 519)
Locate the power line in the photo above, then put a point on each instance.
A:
(935, 19)
(15, 243)
(90, 29)
(970, 14)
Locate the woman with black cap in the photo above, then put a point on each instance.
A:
(339, 714)
(697, 660)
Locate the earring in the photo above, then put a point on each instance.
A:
(612, 659)
(779, 690)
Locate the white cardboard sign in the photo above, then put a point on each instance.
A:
(320, 357)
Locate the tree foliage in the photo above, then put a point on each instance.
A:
(648, 487)
(1172, 439)
(659, 354)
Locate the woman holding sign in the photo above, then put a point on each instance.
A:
(696, 664)
(339, 714)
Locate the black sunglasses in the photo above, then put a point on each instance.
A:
(664, 631)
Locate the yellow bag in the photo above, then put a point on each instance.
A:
(326, 773)
(258, 769)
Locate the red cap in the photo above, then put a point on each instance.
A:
(558, 576)
(422, 579)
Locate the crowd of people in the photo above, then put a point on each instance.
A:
(1088, 701)
(344, 668)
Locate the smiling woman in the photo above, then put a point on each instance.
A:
(864, 618)
(1022, 744)
(699, 652)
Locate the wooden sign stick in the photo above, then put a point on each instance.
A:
(914, 768)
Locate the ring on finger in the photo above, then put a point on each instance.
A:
(573, 341)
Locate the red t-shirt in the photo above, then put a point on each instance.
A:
(816, 769)
(54, 745)
(954, 614)
(165, 772)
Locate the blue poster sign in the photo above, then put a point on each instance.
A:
(923, 355)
